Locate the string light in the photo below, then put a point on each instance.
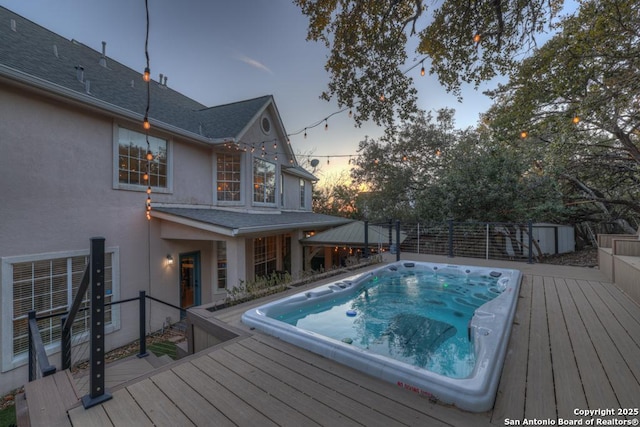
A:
(326, 125)
(575, 120)
(477, 38)
(350, 109)
(524, 134)
(146, 76)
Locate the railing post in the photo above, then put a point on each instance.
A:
(366, 239)
(97, 393)
(143, 321)
(32, 352)
(450, 222)
(65, 344)
(530, 226)
(487, 241)
(397, 240)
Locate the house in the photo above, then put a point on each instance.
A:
(229, 202)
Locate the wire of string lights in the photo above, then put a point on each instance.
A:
(146, 77)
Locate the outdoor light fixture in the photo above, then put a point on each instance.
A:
(169, 259)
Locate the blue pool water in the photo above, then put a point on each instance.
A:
(439, 330)
(421, 319)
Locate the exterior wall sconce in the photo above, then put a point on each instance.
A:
(169, 259)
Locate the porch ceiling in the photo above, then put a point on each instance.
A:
(236, 223)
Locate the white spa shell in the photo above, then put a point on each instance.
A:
(490, 329)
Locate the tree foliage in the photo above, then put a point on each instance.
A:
(436, 172)
(467, 41)
(578, 98)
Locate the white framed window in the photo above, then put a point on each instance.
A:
(229, 177)
(48, 283)
(264, 181)
(130, 162)
(303, 193)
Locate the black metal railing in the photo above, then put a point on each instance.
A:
(488, 240)
(39, 365)
(93, 282)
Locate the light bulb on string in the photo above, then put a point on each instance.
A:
(275, 145)
(149, 155)
(575, 120)
(327, 160)
(275, 157)
(145, 123)
(477, 38)
(146, 76)
(524, 134)
(350, 113)
(326, 125)
(305, 133)
(422, 69)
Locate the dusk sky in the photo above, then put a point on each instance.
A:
(218, 52)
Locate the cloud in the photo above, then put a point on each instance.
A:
(252, 62)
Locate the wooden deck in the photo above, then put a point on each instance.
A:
(575, 344)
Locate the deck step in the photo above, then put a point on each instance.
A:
(49, 398)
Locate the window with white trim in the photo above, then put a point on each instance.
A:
(264, 181)
(303, 193)
(229, 177)
(132, 160)
(49, 285)
(265, 256)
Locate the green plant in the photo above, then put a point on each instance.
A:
(8, 416)
(164, 347)
(263, 286)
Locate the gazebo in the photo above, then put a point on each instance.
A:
(344, 245)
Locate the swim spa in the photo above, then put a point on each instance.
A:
(438, 330)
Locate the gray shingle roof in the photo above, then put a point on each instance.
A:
(241, 223)
(38, 52)
(352, 234)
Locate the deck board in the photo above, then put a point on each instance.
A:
(566, 376)
(595, 383)
(273, 408)
(199, 410)
(510, 399)
(539, 369)
(161, 410)
(304, 396)
(613, 363)
(234, 408)
(123, 410)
